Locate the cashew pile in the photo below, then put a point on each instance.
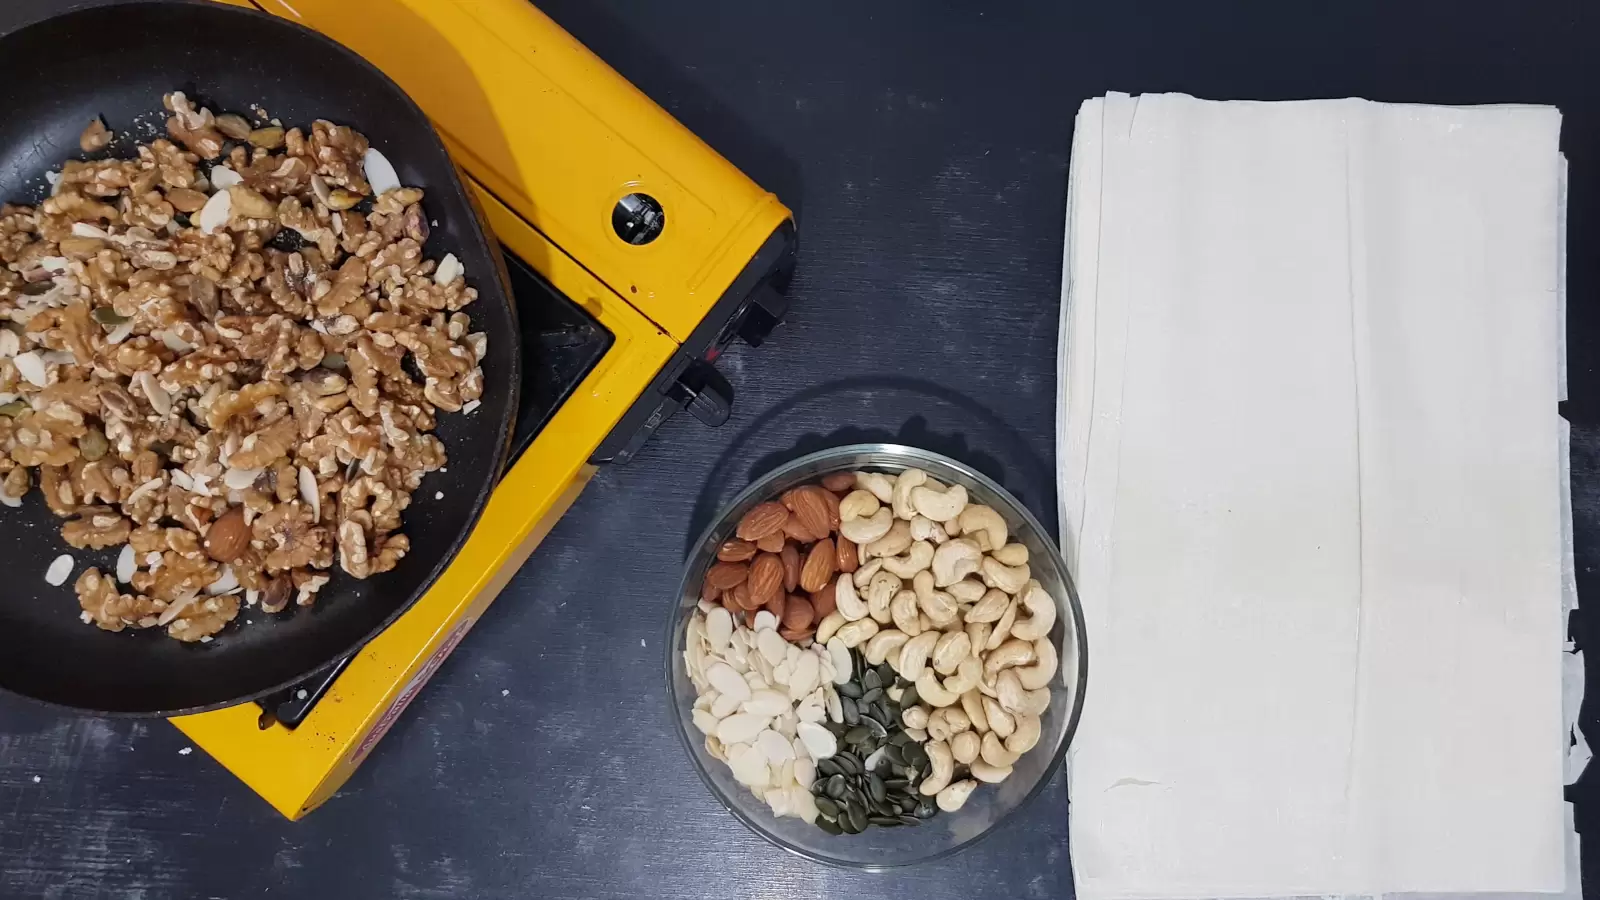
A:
(928, 584)
(948, 602)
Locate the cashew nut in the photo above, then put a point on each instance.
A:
(1011, 653)
(877, 484)
(966, 590)
(828, 627)
(903, 485)
(917, 560)
(965, 747)
(940, 506)
(1014, 698)
(997, 574)
(940, 607)
(916, 717)
(855, 633)
(955, 796)
(1000, 721)
(967, 676)
(952, 648)
(1025, 737)
(858, 504)
(846, 602)
(972, 705)
(1002, 628)
(865, 530)
(863, 575)
(1012, 554)
(929, 689)
(1043, 670)
(926, 529)
(990, 607)
(938, 727)
(955, 560)
(903, 610)
(942, 762)
(956, 719)
(978, 634)
(914, 655)
(879, 594)
(920, 735)
(984, 524)
(994, 751)
(1041, 609)
(894, 542)
(885, 643)
(988, 774)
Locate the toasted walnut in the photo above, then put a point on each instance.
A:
(291, 538)
(204, 617)
(109, 609)
(194, 129)
(96, 528)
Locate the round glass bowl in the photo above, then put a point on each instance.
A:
(990, 804)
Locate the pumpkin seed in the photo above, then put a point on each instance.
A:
(829, 826)
(871, 696)
(908, 805)
(852, 714)
(876, 788)
(93, 444)
(848, 762)
(849, 689)
(926, 808)
(849, 826)
(885, 821)
(14, 408)
(858, 818)
(910, 820)
(836, 786)
(895, 784)
(827, 807)
(894, 755)
(899, 738)
(871, 681)
(827, 767)
(857, 734)
(105, 315)
(886, 674)
(916, 757)
(837, 728)
(909, 697)
(332, 361)
(270, 137)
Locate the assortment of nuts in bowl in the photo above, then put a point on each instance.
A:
(870, 650)
(226, 353)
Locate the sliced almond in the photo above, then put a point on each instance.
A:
(223, 178)
(380, 173)
(449, 270)
(216, 212)
(31, 366)
(310, 494)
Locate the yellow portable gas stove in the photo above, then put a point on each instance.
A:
(636, 254)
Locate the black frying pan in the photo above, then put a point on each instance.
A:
(116, 62)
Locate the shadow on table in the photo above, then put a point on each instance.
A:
(939, 419)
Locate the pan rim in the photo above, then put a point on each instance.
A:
(479, 228)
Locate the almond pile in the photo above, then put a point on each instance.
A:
(783, 559)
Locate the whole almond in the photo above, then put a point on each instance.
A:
(848, 558)
(766, 578)
(228, 537)
(761, 521)
(797, 615)
(824, 602)
(736, 550)
(724, 575)
(839, 481)
(790, 557)
(819, 566)
(186, 200)
(727, 603)
(811, 508)
(777, 605)
(744, 598)
(832, 501)
(795, 637)
(770, 543)
(797, 531)
(709, 591)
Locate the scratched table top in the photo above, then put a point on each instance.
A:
(925, 149)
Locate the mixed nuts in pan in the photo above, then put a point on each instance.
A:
(869, 649)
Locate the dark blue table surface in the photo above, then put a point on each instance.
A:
(924, 145)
